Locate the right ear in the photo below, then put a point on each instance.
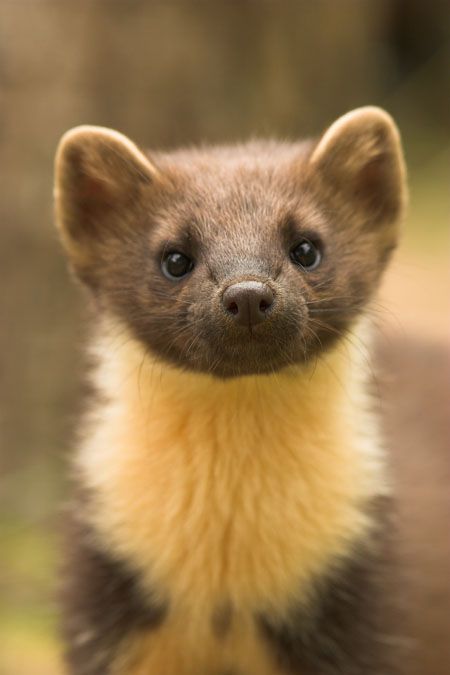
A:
(359, 160)
(99, 175)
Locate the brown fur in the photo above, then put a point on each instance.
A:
(238, 210)
(352, 628)
(107, 606)
(194, 475)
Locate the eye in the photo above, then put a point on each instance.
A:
(306, 254)
(176, 265)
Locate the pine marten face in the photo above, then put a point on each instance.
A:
(234, 260)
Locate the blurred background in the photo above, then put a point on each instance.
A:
(168, 73)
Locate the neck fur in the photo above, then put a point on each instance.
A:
(234, 465)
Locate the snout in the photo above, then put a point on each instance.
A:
(248, 303)
(251, 327)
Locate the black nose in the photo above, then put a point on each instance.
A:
(248, 302)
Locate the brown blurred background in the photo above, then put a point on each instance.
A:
(167, 73)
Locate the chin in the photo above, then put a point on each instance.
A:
(259, 362)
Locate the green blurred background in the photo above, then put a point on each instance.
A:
(167, 73)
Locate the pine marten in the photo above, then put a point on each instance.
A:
(231, 506)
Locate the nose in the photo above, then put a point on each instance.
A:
(247, 302)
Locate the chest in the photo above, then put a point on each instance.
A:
(229, 504)
(205, 647)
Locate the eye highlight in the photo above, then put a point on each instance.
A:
(306, 254)
(176, 265)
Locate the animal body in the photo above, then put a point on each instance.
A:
(231, 512)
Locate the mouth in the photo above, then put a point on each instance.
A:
(251, 352)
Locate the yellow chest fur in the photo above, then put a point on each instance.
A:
(232, 494)
(236, 491)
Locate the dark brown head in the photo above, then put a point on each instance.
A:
(233, 260)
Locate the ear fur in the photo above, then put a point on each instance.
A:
(99, 174)
(360, 158)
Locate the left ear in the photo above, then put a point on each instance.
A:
(360, 160)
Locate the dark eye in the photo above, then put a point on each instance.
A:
(176, 265)
(306, 254)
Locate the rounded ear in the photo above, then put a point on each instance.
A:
(99, 174)
(359, 158)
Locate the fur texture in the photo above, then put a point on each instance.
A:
(232, 471)
(237, 212)
(215, 463)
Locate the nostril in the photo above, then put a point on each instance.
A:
(248, 302)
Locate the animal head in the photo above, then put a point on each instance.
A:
(233, 260)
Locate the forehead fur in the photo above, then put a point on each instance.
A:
(246, 176)
(262, 158)
(240, 192)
